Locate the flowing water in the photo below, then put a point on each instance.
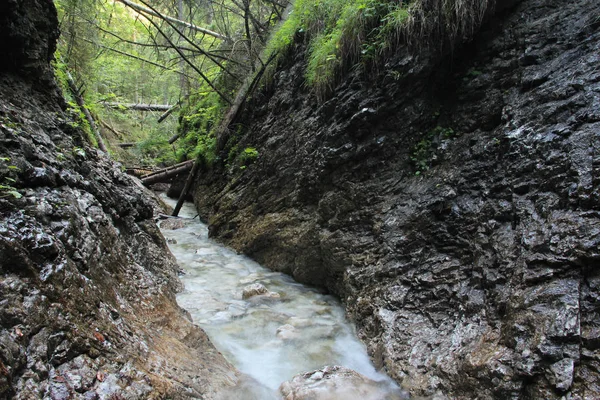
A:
(273, 337)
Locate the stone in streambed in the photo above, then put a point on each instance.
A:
(172, 224)
(258, 289)
(332, 383)
(287, 332)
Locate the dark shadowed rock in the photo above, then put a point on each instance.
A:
(87, 284)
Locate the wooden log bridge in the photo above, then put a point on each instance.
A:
(167, 173)
(138, 107)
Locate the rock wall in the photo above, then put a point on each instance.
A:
(476, 278)
(87, 284)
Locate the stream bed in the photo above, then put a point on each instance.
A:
(271, 337)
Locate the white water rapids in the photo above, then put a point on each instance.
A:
(269, 339)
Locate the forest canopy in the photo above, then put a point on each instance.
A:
(168, 53)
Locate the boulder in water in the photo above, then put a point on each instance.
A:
(258, 289)
(336, 382)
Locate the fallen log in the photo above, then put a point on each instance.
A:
(138, 107)
(167, 113)
(249, 85)
(173, 138)
(166, 173)
(138, 172)
(186, 188)
(196, 28)
(168, 168)
(110, 128)
(126, 145)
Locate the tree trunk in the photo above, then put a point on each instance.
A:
(167, 113)
(138, 107)
(245, 90)
(174, 138)
(86, 112)
(186, 188)
(148, 11)
(167, 173)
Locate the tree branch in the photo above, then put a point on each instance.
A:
(190, 63)
(155, 13)
(193, 44)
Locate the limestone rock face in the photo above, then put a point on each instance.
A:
(87, 284)
(335, 383)
(475, 276)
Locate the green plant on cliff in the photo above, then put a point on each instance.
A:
(197, 123)
(248, 156)
(342, 34)
(425, 151)
(8, 178)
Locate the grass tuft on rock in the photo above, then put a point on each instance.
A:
(343, 33)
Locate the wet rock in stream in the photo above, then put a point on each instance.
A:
(335, 383)
(258, 289)
(172, 223)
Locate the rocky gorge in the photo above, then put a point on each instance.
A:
(87, 285)
(450, 200)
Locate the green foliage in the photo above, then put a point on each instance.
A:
(8, 178)
(341, 32)
(206, 149)
(249, 156)
(121, 56)
(421, 155)
(347, 33)
(471, 74)
(155, 149)
(197, 124)
(425, 150)
(232, 155)
(242, 159)
(10, 125)
(78, 152)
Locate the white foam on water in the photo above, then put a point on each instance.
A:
(316, 332)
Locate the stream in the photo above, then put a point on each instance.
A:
(292, 329)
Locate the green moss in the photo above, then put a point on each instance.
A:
(197, 123)
(74, 112)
